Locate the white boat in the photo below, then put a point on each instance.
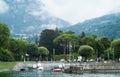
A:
(38, 66)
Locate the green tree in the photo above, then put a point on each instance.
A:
(18, 48)
(66, 40)
(32, 50)
(88, 40)
(105, 41)
(115, 47)
(46, 39)
(86, 51)
(70, 32)
(4, 35)
(101, 45)
(99, 48)
(5, 55)
(43, 51)
(82, 34)
(108, 55)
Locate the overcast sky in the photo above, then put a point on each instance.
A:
(75, 11)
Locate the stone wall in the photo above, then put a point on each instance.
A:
(94, 68)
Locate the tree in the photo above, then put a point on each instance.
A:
(108, 54)
(43, 51)
(68, 41)
(99, 48)
(46, 39)
(101, 45)
(5, 55)
(86, 51)
(70, 32)
(4, 35)
(105, 42)
(18, 48)
(88, 40)
(82, 34)
(115, 47)
(32, 50)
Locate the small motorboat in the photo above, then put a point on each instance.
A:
(57, 69)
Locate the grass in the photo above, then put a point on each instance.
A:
(4, 65)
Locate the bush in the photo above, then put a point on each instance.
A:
(86, 51)
(59, 57)
(5, 55)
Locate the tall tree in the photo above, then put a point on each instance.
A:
(99, 48)
(32, 50)
(66, 40)
(115, 46)
(18, 48)
(106, 42)
(46, 39)
(5, 55)
(88, 40)
(82, 34)
(4, 35)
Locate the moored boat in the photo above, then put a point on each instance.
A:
(38, 66)
(57, 69)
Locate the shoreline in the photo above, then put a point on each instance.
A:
(76, 68)
(5, 70)
(7, 66)
(94, 68)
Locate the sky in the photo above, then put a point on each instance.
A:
(75, 11)
(3, 7)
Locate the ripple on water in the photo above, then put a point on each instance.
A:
(53, 74)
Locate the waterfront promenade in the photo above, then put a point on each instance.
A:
(94, 67)
(78, 67)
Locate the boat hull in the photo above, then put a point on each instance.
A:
(57, 70)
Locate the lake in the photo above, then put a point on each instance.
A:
(53, 74)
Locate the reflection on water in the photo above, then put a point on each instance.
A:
(52, 74)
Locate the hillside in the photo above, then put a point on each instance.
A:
(107, 25)
(28, 17)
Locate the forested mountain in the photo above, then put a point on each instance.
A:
(28, 17)
(107, 25)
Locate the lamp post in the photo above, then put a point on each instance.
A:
(27, 56)
(70, 47)
(113, 55)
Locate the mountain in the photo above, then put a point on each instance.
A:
(29, 17)
(107, 25)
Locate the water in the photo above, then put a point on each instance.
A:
(53, 74)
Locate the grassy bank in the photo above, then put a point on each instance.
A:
(7, 65)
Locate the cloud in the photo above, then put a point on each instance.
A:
(3, 7)
(49, 26)
(79, 10)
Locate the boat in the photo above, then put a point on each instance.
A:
(38, 66)
(57, 69)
